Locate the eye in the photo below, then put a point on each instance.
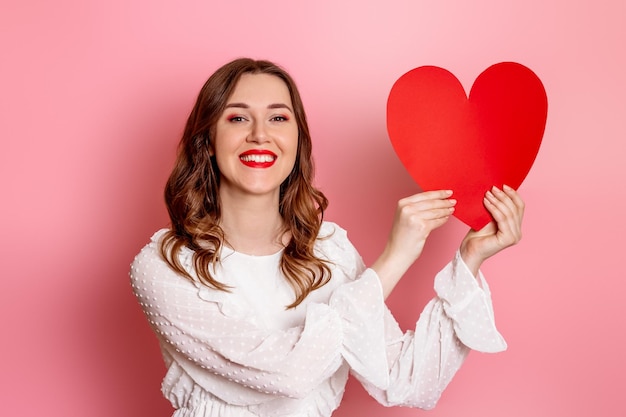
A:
(235, 119)
(279, 118)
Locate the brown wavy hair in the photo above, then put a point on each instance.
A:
(192, 198)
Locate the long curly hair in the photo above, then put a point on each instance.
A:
(192, 198)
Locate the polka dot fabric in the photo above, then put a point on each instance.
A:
(241, 354)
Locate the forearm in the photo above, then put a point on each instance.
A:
(416, 217)
(422, 362)
(472, 260)
(390, 268)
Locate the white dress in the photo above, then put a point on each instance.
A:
(241, 354)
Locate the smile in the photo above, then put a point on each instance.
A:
(258, 159)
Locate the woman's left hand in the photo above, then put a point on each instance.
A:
(507, 208)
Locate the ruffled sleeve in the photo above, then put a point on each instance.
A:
(413, 368)
(467, 303)
(220, 346)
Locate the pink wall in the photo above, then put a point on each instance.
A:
(93, 98)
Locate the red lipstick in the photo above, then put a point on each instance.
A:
(258, 158)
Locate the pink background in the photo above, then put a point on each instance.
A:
(93, 98)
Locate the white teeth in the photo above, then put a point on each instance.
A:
(257, 158)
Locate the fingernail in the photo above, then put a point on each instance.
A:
(506, 187)
(452, 201)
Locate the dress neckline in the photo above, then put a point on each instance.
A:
(228, 251)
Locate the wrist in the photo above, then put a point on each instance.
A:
(390, 268)
(471, 258)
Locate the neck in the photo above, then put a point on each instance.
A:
(252, 224)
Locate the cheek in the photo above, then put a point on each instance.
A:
(294, 139)
(293, 157)
(218, 154)
(294, 147)
(220, 145)
(220, 138)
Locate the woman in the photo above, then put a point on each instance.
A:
(262, 308)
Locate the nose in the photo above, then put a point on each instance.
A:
(258, 134)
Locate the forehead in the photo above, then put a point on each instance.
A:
(260, 89)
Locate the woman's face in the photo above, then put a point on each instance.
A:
(256, 137)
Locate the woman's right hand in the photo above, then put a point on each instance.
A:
(416, 216)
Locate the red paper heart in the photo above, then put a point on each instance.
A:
(447, 141)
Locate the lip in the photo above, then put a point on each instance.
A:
(258, 164)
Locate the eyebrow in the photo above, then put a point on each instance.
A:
(270, 106)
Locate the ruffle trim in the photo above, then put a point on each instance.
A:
(467, 302)
(360, 304)
(224, 300)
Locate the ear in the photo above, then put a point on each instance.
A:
(209, 144)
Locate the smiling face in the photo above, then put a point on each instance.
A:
(256, 137)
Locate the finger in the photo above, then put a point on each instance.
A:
(515, 197)
(508, 219)
(436, 213)
(433, 219)
(506, 203)
(503, 211)
(511, 198)
(501, 207)
(491, 204)
(439, 222)
(428, 195)
(506, 233)
(427, 204)
(425, 211)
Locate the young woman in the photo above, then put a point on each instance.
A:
(261, 307)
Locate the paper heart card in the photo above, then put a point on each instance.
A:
(449, 140)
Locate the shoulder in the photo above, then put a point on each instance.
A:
(331, 234)
(151, 251)
(334, 245)
(330, 228)
(149, 262)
